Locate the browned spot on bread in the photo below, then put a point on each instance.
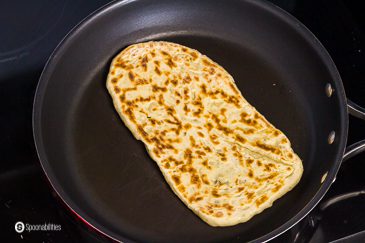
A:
(173, 160)
(130, 115)
(240, 189)
(267, 147)
(197, 113)
(186, 109)
(200, 134)
(261, 200)
(234, 89)
(223, 111)
(206, 164)
(125, 90)
(192, 141)
(192, 199)
(142, 99)
(194, 179)
(141, 81)
(223, 156)
(116, 89)
(250, 173)
(272, 175)
(187, 126)
(186, 94)
(114, 80)
(240, 139)
(122, 64)
(233, 100)
(174, 82)
(165, 53)
(211, 71)
(267, 168)
(213, 139)
(187, 79)
(153, 54)
(153, 121)
(203, 88)
(157, 70)
(249, 131)
(239, 156)
(157, 63)
(131, 75)
(161, 100)
(170, 63)
(276, 133)
(198, 102)
(143, 133)
(215, 193)
(205, 179)
(156, 152)
(220, 127)
(181, 188)
(178, 94)
(209, 126)
(193, 55)
(188, 155)
(276, 188)
(176, 179)
(206, 148)
(144, 63)
(171, 122)
(290, 155)
(198, 199)
(156, 88)
(218, 214)
(228, 206)
(249, 161)
(207, 62)
(199, 152)
(122, 98)
(249, 195)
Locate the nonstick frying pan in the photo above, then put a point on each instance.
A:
(105, 176)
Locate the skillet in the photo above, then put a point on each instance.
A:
(107, 178)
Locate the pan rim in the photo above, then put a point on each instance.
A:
(267, 6)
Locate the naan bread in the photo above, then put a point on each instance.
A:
(221, 157)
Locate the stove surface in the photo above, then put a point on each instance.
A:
(30, 32)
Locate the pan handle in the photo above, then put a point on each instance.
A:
(358, 147)
(307, 231)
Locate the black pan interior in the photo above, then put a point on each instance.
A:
(106, 176)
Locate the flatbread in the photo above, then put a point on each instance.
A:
(219, 155)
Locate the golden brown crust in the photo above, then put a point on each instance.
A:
(221, 157)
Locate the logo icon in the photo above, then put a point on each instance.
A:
(19, 227)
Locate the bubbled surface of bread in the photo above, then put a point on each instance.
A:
(219, 155)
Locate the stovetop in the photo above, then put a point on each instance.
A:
(30, 30)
